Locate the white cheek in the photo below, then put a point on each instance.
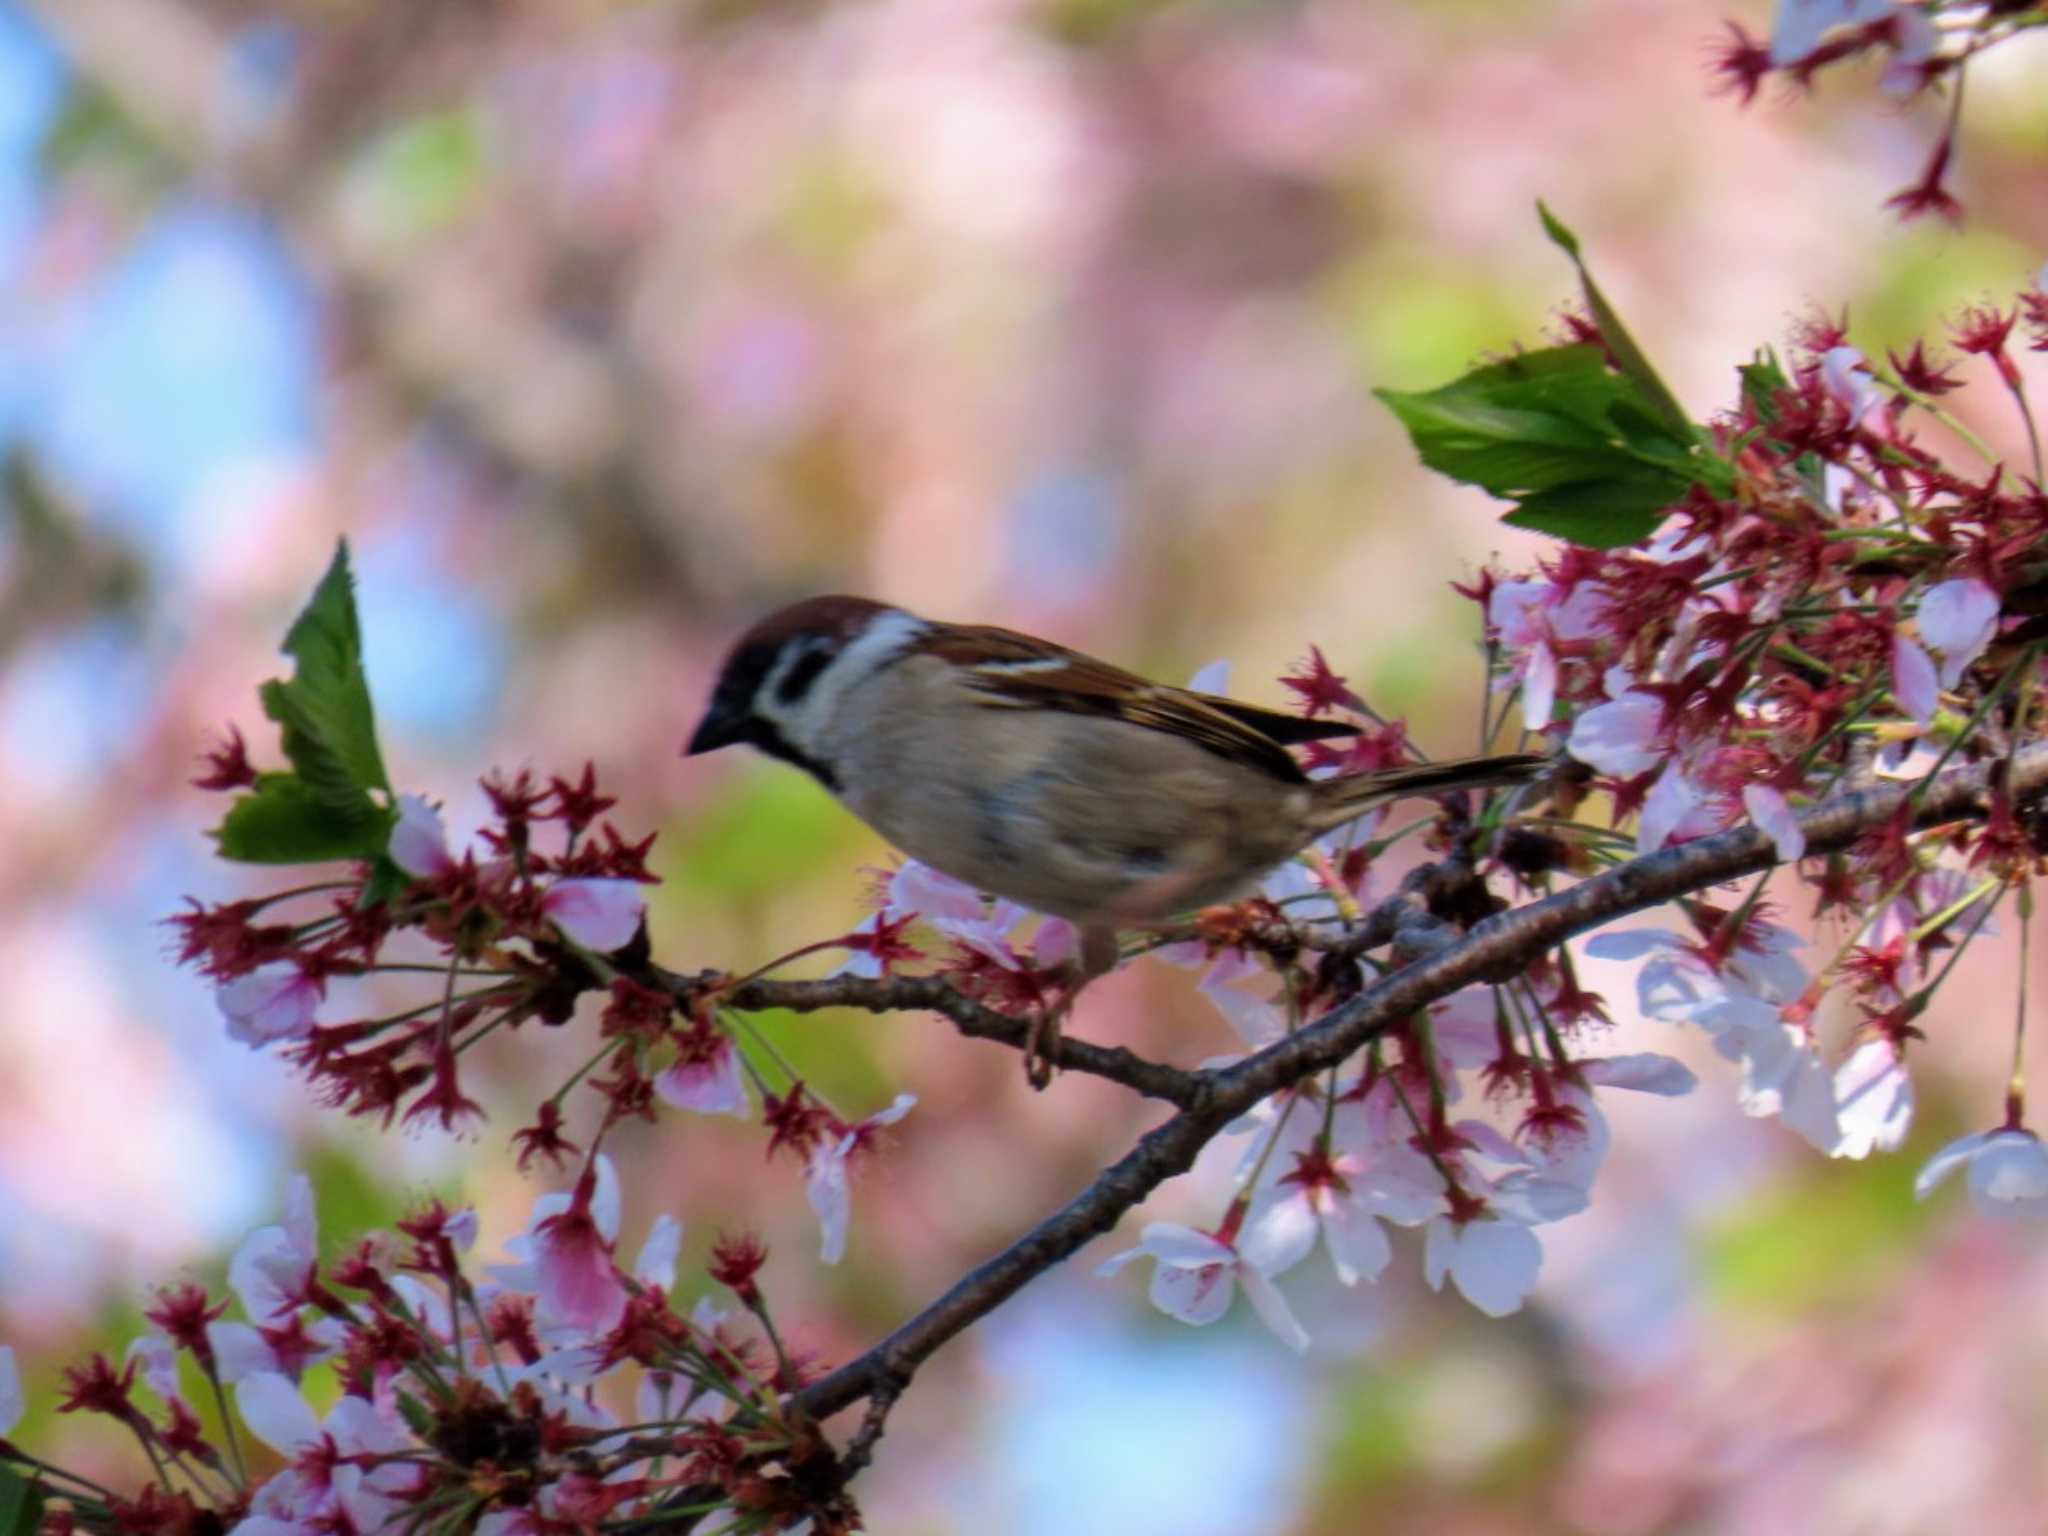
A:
(807, 723)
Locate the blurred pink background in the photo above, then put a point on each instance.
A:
(601, 328)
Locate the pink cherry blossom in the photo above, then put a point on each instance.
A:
(1195, 1274)
(577, 1279)
(1957, 620)
(419, 840)
(273, 1002)
(600, 914)
(712, 1085)
(2007, 1170)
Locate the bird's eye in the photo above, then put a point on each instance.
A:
(796, 682)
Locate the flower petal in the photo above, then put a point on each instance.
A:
(275, 1413)
(1272, 1309)
(1774, 817)
(1642, 1072)
(1945, 1162)
(1495, 1265)
(1913, 679)
(1958, 619)
(419, 840)
(600, 914)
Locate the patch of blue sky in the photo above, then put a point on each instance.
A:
(71, 705)
(434, 651)
(1104, 1427)
(195, 358)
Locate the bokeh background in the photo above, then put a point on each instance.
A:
(600, 328)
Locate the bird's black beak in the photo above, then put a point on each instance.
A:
(722, 726)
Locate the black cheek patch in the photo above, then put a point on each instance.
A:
(805, 672)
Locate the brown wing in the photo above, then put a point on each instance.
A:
(1021, 672)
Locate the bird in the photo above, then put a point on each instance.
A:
(1036, 773)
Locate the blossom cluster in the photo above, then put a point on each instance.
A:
(1850, 608)
(517, 933)
(1923, 45)
(553, 1392)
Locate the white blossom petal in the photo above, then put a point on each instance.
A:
(1620, 737)
(1496, 1264)
(1281, 1229)
(1272, 1309)
(1957, 620)
(656, 1265)
(1358, 1244)
(1642, 1072)
(1914, 680)
(275, 1413)
(1873, 1100)
(1774, 817)
(1194, 1294)
(2011, 1167)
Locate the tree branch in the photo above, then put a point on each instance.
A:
(1498, 947)
(904, 994)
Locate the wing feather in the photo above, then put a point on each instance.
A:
(1018, 671)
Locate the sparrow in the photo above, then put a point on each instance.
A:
(1033, 772)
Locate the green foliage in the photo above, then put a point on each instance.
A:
(282, 821)
(1559, 432)
(1589, 443)
(1837, 1231)
(324, 808)
(21, 1503)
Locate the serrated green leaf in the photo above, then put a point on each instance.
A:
(325, 708)
(1629, 358)
(1563, 434)
(284, 821)
(1600, 514)
(21, 1503)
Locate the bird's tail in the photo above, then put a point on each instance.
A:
(1339, 800)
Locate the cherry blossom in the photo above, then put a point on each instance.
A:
(1914, 679)
(1195, 1274)
(273, 1002)
(1774, 817)
(1957, 620)
(2007, 1170)
(825, 1183)
(600, 914)
(419, 840)
(713, 1083)
(1873, 1100)
(1493, 1263)
(1624, 736)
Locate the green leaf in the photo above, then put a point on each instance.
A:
(325, 708)
(283, 820)
(1561, 433)
(1601, 514)
(1763, 379)
(1621, 346)
(21, 1503)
